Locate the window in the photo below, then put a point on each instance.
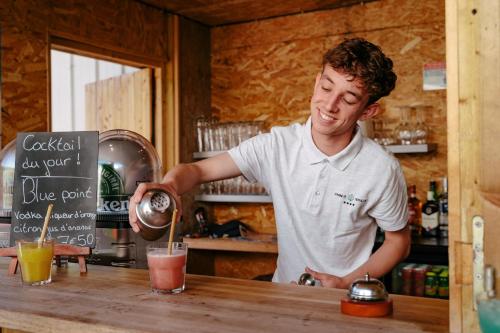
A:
(93, 94)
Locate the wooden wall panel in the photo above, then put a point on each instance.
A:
(28, 25)
(266, 69)
(383, 14)
(259, 218)
(244, 265)
(121, 102)
(106, 23)
(24, 68)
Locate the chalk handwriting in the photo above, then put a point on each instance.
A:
(51, 144)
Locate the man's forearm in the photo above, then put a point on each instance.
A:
(183, 177)
(394, 249)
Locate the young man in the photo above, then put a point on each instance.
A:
(330, 185)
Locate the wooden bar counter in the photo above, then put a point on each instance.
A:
(109, 299)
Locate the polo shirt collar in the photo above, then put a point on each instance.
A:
(342, 159)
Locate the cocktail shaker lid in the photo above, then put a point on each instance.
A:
(156, 209)
(306, 279)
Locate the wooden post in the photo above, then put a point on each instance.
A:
(473, 76)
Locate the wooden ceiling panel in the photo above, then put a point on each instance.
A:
(222, 12)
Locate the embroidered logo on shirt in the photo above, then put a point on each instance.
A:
(350, 199)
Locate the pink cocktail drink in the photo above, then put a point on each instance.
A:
(167, 272)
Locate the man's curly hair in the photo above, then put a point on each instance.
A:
(366, 62)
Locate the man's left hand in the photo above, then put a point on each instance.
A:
(328, 280)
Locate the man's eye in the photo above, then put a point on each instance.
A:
(349, 101)
(326, 88)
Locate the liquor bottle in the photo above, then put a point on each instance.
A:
(414, 212)
(430, 213)
(433, 188)
(443, 210)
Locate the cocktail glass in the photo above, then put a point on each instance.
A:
(36, 261)
(167, 271)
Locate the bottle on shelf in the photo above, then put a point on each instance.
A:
(443, 210)
(414, 212)
(433, 188)
(430, 213)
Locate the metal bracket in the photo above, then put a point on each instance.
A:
(478, 259)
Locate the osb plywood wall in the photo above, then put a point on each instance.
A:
(266, 70)
(29, 25)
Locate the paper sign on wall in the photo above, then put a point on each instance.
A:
(434, 76)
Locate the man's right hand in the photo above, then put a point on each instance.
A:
(139, 193)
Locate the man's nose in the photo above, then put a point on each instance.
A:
(332, 102)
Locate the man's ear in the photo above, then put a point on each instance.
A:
(370, 111)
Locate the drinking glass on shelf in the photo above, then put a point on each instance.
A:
(257, 128)
(242, 131)
(227, 186)
(403, 132)
(206, 135)
(377, 131)
(222, 137)
(381, 133)
(420, 130)
(213, 141)
(201, 126)
(232, 132)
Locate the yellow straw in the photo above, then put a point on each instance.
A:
(45, 225)
(171, 236)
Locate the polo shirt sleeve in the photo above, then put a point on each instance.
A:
(254, 157)
(391, 211)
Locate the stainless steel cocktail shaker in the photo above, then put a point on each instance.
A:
(154, 213)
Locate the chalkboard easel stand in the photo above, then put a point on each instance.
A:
(59, 250)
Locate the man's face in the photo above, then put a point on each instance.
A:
(338, 102)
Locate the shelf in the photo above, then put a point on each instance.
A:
(396, 149)
(231, 244)
(411, 149)
(207, 154)
(234, 198)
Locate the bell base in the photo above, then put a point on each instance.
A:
(366, 309)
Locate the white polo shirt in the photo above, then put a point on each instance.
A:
(327, 207)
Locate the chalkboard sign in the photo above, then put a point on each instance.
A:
(58, 168)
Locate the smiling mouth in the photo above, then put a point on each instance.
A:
(325, 117)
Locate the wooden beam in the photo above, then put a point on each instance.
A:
(452, 63)
(171, 135)
(72, 46)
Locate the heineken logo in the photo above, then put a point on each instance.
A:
(114, 203)
(111, 181)
(112, 190)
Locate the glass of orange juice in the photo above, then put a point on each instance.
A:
(36, 261)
